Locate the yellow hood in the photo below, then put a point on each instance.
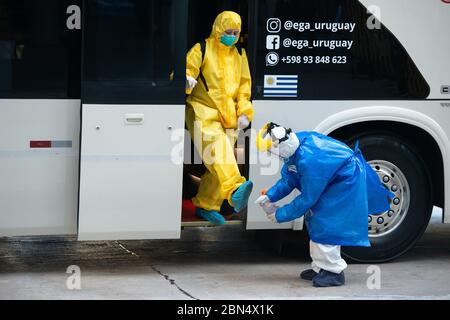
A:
(225, 20)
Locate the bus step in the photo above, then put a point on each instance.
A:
(202, 223)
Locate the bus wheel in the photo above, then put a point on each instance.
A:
(402, 171)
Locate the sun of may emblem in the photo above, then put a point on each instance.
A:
(270, 81)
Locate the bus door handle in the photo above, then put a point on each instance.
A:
(134, 119)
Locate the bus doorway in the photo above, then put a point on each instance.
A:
(201, 16)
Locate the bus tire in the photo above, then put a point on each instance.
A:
(407, 220)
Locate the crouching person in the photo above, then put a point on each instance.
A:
(338, 190)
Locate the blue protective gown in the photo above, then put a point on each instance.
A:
(338, 190)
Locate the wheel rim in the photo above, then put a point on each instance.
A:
(395, 181)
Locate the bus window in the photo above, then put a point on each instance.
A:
(132, 53)
(327, 45)
(39, 55)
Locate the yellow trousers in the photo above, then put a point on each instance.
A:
(222, 177)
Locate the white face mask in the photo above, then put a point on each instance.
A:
(286, 148)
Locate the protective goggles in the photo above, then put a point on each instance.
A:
(276, 133)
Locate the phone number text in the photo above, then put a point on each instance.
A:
(315, 59)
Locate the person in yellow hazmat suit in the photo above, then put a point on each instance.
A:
(218, 85)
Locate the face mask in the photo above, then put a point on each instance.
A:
(287, 148)
(228, 40)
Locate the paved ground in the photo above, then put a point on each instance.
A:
(209, 263)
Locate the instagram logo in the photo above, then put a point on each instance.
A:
(273, 25)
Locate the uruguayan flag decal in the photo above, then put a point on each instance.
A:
(280, 86)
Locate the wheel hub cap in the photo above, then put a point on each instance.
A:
(395, 181)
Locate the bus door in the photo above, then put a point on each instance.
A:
(132, 102)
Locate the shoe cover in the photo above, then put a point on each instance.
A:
(329, 279)
(308, 274)
(212, 216)
(241, 195)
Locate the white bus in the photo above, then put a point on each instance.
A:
(91, 92)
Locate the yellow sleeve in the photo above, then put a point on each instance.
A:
(244, 105)
(193, 63)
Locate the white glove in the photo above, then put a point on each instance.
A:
(272, 218)
(243, 122)
(265, 203)
(190, 83)
(269, 207)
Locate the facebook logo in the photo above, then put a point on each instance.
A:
(273, 42)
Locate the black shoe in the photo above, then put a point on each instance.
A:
(329, 279)
(308, 274)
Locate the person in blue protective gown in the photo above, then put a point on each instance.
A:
(338, 190)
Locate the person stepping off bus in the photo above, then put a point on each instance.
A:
(218, 85)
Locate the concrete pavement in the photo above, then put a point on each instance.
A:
(209, 263)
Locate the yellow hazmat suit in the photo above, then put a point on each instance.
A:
(214, 107)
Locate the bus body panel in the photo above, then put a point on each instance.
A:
(39, 153)
(422, 28)
(130, 186)
(432, 116)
